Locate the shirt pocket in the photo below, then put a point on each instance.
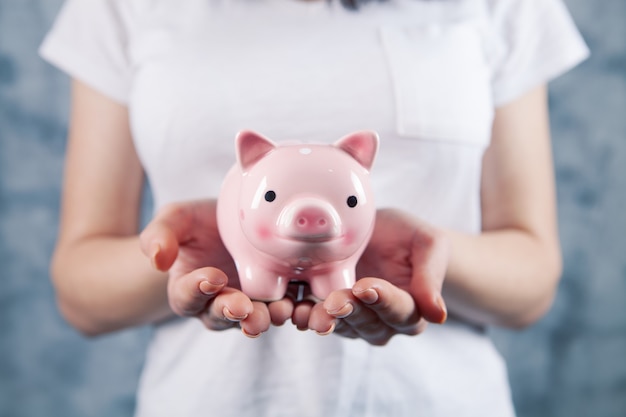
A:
(441, 82)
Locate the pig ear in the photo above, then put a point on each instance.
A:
(250, 147)
(362, 146)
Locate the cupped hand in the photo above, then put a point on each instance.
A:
(183, 239)
(374, 310)
(404, 267)
(408, 257)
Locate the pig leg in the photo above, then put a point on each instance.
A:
(262, 285)
(335, 279)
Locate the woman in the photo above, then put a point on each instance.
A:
(464, 180)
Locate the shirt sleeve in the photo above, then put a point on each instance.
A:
(540, 42)
(89, 41)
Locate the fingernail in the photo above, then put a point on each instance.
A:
(444, 309)
(368, 295)
(342, 312)
(327, 332)
(251, 336)
(231, 317)
(155, 248)
(209, 288)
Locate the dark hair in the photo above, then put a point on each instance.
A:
(354, 4)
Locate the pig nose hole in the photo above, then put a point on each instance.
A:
(304, 222)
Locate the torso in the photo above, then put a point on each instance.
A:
(311, 71)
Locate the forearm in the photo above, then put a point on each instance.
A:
(508, 274)
(105, 284)
(506, 277)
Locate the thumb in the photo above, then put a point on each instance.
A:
(161, 238)
(190, 293)
(159, 244)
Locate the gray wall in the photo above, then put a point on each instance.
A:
(572, 363)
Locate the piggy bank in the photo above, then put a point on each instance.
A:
(297, 212)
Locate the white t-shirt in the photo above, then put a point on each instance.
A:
(426, 75)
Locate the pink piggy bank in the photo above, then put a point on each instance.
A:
(302, 212)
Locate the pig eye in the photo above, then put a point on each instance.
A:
(352, 201)
(270, 196)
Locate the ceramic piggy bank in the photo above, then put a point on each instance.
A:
(300, 212)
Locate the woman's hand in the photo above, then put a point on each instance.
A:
(409, 259)
(408, 256)
(183, 239)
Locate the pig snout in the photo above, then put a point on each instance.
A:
(309, 220)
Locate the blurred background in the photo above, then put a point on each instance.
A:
(572, 363)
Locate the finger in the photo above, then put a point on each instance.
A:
(320, 321)
(392, 305)
(173, 225)
(228, 309)
(280, 311)
(160, 244)
(190, 293)
(429, 257)
(340, 304)
(351, 312)
(257, 322)
(160, 239)
(366, 324)
(377, 312)
(301, 314)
